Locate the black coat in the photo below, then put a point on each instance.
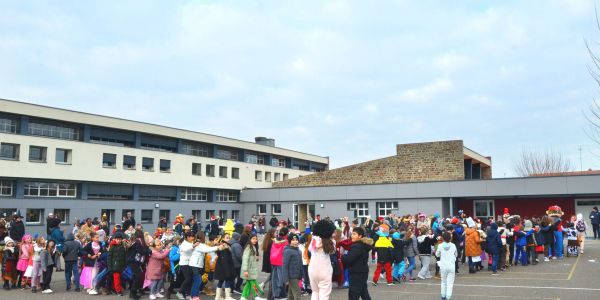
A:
(493, 240)
(137, 252)
(16, 231)
(224, 269)
(88, 262)
(357, 259)
(398, 251)
(266, 261)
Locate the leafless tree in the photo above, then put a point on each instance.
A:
(592, 115)
(536, 162)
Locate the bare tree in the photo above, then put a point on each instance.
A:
(536, 162)
(592, 115)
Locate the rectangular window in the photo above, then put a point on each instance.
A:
(34, 216)
(192, 194)
(125, 211)
(224, 196)
(109, 160)
(196, 149)
(261, 209)
(113, 137)
(300, 165)
(49, 189)
(9, 151)
(223, 214)
(223, 172)
(235, 173)
(8, 125)
(54, 131)
(158, 143)
(278, 162)
(110, 215)
(37, 153)
(147, 215)
(276, 209)
(6, 188)
(197, 214)
(129, 162)
(268, 176)
(148, 164)
(235, 215)
(7, 212)
(286, 176)
(158, 193)
(360, 209)
(277, 177)
(62, 214)
(165, 165)
(483, 209)
(209, 214)
(210, 170)
(110, 191)
(226, 153)
(258, 175)
(385, 208)
(196, 169)
(63, 156)
(253, 158)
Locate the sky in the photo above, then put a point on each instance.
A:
(344, 79)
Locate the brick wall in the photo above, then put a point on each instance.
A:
(430, 161)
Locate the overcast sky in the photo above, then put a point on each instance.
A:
(344, 79)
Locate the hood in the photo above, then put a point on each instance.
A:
(470, 231)
(70, 237)
(579, 217)
(445, 246)
(493, 231)
(367, 241)
(235, 236)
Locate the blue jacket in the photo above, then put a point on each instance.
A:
(174, 258)
(57, 236)
(493, 241)
(595, 217)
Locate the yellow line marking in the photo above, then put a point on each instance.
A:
(573, 269)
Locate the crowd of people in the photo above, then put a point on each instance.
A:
(184, 260)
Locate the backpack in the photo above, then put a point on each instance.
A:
(335, 264)
(580, 226)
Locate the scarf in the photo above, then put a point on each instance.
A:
(95, 247)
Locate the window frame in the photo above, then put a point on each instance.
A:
(258, 175)
(235, 173)
(165, 213)
(258, 209)
(65, 216)
(210, 170)
(145, 165)
(43, 153)
(160, 166)
(273, 206)
(4, 186)
(53, 189)
(41, 216)
(16, 149)
(226, 196)
(106, 162)
(385, 208)
(146, 220)
(223, 171)
(208, 213)
(189, 193)
(197, 169)
(67, 152)
(129, 166)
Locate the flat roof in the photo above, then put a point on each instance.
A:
(47, 112)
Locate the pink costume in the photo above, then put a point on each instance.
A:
(319, 270)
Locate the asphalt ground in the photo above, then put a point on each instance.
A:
(569, 278)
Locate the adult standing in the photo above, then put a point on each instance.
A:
(17, 228)
(595, 220)
(129, 221)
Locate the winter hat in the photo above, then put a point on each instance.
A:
(323, 229)
(396, 235)
(454, 220)
(528, 225)
(506, 211)
(235, 236)
(8, 240)
(292, 236)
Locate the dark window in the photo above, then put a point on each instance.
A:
(157, 193)
(227, 153)
(196, 149)
(63, 215)
(223, 172)
(300, 165)
(128, 162)
(109, 160)
(286, 176)
(34, 215)
(49, 189)
(165, 165)
(148, 164)
(210, 170)
(261, 209)
(275, 209)
(60, 131)
(235, 173)
(157, 143)
(6, 187)
(165, 213)
(110, 215)
(110, 191)
(209, 214)
(63, 156)
(8, 125)
(196, 169)
(9, 151)
(147, 215)
(108, 136)
(37, 153)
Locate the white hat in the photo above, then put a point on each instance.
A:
(470, 222)
(8, 240)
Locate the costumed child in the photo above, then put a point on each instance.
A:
(572, 245)
(91, 252)
(9, 264)
(178, 224)
(425, 241)
(249, 270)
(117, 261)
(555, 213)
(36, 259)
(448, 256)
(277, 285)
(25, 253)
(224, 268)
(320, 269)
(47, 259)
(384, 247)
(398, 257)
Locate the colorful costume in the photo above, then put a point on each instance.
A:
(384, 248)
(320, 269)
(555, 213)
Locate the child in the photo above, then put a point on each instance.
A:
(36, 274)
(384, 247)
(249, 270)
(72, 252)
(9, 264)
(425, 241)
(292, 267)
(398, 256)
(572, 245)
(116, 261)
(154, 268)
(305, 241)
(448, 255)
(91, 252)
(47, 260)
(25, 251)
(411, 250)
(520, 244)
(224, 269)
(277, 285)
(174, 279)
(503, 234)
(357, 261)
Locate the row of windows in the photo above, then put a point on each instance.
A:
(34, 216)
(261, 209)
(36, 153)
(109, 160)
(361, 209)
(258, 176)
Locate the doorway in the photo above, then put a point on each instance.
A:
(584, 207)
(303, 212)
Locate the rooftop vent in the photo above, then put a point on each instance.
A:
(261, 140)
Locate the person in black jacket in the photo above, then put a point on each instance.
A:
(357, 261)
(71, 253)
(494, 246)
(17, 228)
(274, 222)
(224, 269)
(136, 255)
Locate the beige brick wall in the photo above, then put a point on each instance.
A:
(416, 162)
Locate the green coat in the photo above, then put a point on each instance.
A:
(250, 265)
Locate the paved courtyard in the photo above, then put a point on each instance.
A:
(570, 278)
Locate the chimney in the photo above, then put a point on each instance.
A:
(261, 140)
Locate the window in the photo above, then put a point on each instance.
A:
(255, 158)
(235, 173)
(191, 194)
(278, 162)
(197, 215)
(148, 164)
(261, 209)
(128, 162)
(223, 196)
(275, 209)
(286, 176)
(37, 153)
(6, 187)
(223, 215)
(258, 175)
(8, 125)
(209, 214)
(9, 151)
(125, 211)
(385, 208)
(483, 209)
(147, 215)
(63, 156)
(50, 189)
(277, 177)
(158, 143)
(229, 154)
(196, 169)
(55, 131)
(268, 176)
(223, 172)
(110, 215)
(110, 191)
(196, 149)
(7, 212)
(210, 170)
(158, 193)
(62, 214)
(361, 209)
(34, 216)
(165, 165)
(113, 137)
(235, 215)
(109, 160)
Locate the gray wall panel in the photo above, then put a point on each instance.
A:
(406, 190)
(433, 189)
(503, 187)
(371, 191)
(550, 185)
(330, 192)
(474, 188)
(583, 185)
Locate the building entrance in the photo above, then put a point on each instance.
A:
(303, 213)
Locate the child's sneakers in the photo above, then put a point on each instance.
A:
(374, 283)
(47, 291)
(92, 292)
(546, 258)
(391, 284)
(152, 297)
